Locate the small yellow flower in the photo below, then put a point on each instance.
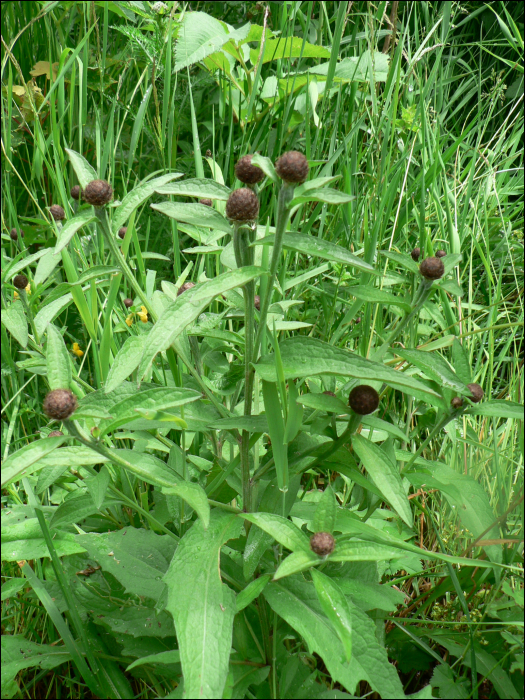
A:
(16, 295)
(28, 288)
(129, 320)
(143, 315)
(77, 351)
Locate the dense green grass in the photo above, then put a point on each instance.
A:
(425, 139)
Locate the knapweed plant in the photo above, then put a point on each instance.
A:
(236, 488)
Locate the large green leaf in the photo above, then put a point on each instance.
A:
(14, 319)
(57, 360)
(187, 308)
(195, 496)
(202, 606)
(336, 608)
(281, 529)
(48, 313)
(305, 357)
(378, 296)
(357, 67)
(290, 47)
(197, 187)
(21, 463)
(83, 170)
(198, 214)
(435, 367)
(498, 408)
(126, 361)
(69, 229)
(199, 35)
(384, 474)
(312, 245)
(137, 196)
(295, 600)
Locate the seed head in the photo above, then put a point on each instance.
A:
(122, 232)
(128, 303)
(257, 302)
(432, 268)
(292, 167)
(60, 404)
(416, 254)
(476, 392)
(75, 192)
(206, 202)
(246, 172)
(20, 281)
(97, 193)
(13, 234)
(185, 286)
(322, 543)
(242, 205)
(440, 253)
(457, 402)
(57, 212)
(363, 400)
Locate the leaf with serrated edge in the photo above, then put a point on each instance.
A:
(202, 606)
(385, 476)
(126, 361)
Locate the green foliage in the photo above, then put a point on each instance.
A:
(165, 537)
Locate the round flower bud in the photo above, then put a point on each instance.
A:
(60, 404)
(20, 281)
(257, 302)
(363, 400)
(185, 286)
(242, 205)
(292, 167)
(246, 172)
(207, 202)
(97, 193)
(457, 402)
(75, 192)
(57, 212)
(128, 303)
(416, 254)
(322, 543)
(432, 268)
(440, 253)
(122, 232)
(476, 392)
(13, 234)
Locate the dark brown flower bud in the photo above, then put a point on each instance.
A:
(57, 212)
(257, 302)
(363, 400)
(185, 286)
(128, 303)
(20, 281)
(432, 268)
(476, 392)
(122, 232)
(322, 543)
(60, 404)
(97, 193)
(75, 192)
(440, 253)
(292, 167)
(416, 254)
(242, 205)
(208, 153)
(55, 433)
(206, 202)
(457, 402)
(329, 393)
(13, 234)
(246, 172)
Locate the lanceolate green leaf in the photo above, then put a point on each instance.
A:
(281, 529)
(69, 229)
(202, 606)
(198, 214)
(336, 608)
(14, 319)
(197, 187)
(498, 408)
(325, 512)
(296, 601)
(138, 196)
(187, 308)
(57, 360)
(48, 313)
(385, 476)
(305, 357)
(195, 496)
(83, 170)
(317, 247)
(378, 296)
(20, 463)
(126, 360)
(435, 367)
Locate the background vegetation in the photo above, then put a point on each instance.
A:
(417, 109)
